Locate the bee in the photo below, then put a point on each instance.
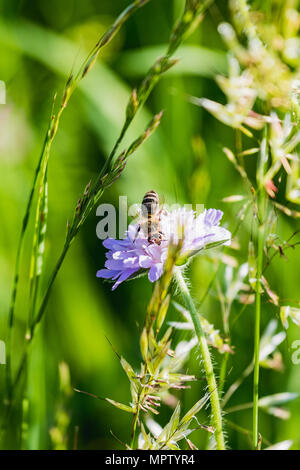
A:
(150, 217)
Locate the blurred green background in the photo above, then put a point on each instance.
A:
(40, 43)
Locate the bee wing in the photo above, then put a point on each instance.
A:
(135, 211)
(163, 210)
(162, 201)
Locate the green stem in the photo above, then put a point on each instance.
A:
(223, 372)
(40, 314)
(212, 384)
(260, 247)
(30, 333)
(11, 314)
(134, 425)
(225, 314)
(41, 310)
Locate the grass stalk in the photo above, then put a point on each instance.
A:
(42, 163)
(260, 175)
(191, 16)
(260, 248)
(11, 313)
(134, 428)
(212, 384)
(223, 372)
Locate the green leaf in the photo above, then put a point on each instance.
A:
(171, 427)
(171, 446)
(177, 378)
(121, 406)
(144, 344)
(146, 437)
(128, 369)
(182, 434)
(194, 410)
(160, 355)
(162, 312)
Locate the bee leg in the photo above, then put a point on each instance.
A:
(137, 232)
(162, 236)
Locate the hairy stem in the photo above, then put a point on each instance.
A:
(212, 384)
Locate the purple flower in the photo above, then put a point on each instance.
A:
(199, 231)
(134, 255)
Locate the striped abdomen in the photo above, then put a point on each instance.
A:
(150, 207)
(150, 202)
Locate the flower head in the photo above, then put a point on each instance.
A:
(198, 231)
(135, 255)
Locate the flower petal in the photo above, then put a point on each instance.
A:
(114, 264)
(133, 253)
(110, 243)
(154, 250)
(125, 275)
(145, 261)
(213, 216)
(106, 273)
(155, 272)
(131, 261)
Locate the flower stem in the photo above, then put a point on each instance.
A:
(212, 385)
